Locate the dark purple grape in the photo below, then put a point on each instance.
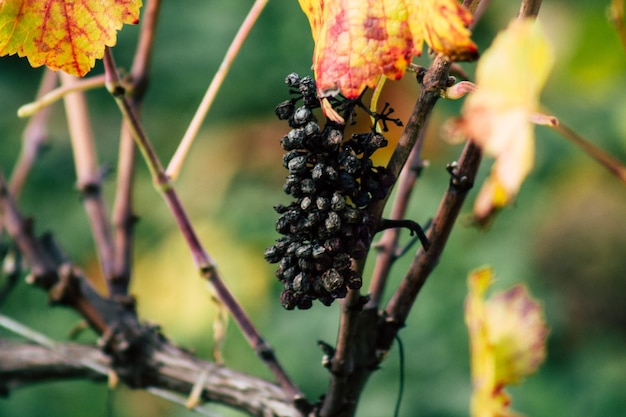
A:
(284, 110)
(325, 228)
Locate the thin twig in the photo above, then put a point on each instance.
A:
(605, 159)
(529, 8)
(57, 94)
(177, 161)
(88, 174)
(123, 218)
(203, 262)
(140, 71)
(402, 300)
(388, 244)
(34, 137)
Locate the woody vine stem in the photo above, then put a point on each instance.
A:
(366, 334)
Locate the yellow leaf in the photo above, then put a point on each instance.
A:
(517, 331)
(61, 34)
(482, 358)
(507, 342)
(357, 41)
(443, 24)
(498, 115)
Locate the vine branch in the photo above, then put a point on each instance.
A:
(423, 264)
(356, 356)
(89, 174)
(22, 364)
(358, 349)
(123, 218)
(34, 137)
(203, 262)
(387, 246)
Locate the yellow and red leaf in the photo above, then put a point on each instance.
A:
(63, 35)
(356, 41)
(507, 342)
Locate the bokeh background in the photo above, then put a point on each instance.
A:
(565, 238)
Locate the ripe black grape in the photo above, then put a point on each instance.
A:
(332, 181)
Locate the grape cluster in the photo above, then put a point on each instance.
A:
(332, 181)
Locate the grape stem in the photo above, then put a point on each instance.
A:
(413, 227)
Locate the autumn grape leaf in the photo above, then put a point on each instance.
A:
(357, 41)
(61, 34)
(507, 342)
(499, 115)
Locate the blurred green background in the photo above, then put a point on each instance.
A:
(565, 237)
